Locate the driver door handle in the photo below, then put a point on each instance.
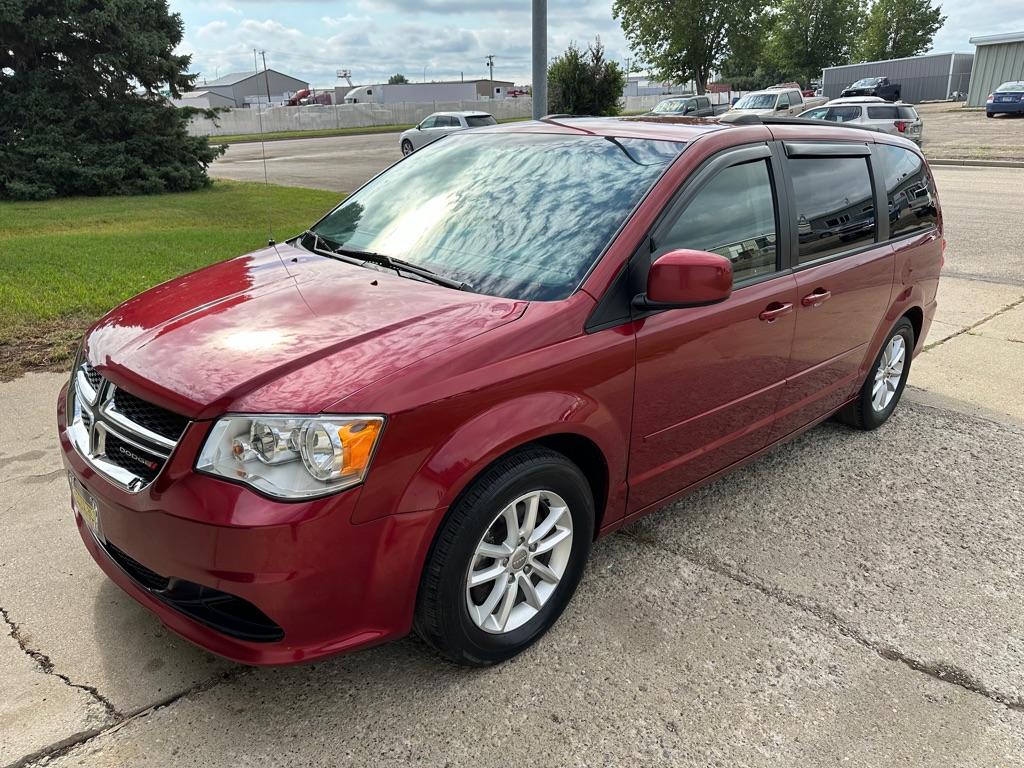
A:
(819, 296)
(774, 311)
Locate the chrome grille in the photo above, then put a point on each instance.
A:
(124, 438)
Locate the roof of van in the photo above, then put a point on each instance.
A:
(687, 129)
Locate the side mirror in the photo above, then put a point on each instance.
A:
(685, 278)
(780, 107)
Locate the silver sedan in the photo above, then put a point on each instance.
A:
(441, 124)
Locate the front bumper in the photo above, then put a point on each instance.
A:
(327, 584)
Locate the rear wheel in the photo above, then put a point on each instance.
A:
(989, 114)
(885, 382)
(507, 558)
(406, 147)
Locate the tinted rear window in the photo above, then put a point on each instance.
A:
(907, 113)
(883, 113)
(835, 205)
(842, 114)
(909, 190)
(479, 121)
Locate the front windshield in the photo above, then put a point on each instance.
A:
(670, 106)
(520, 216)
(1011, 86)
(867, 81)
(757, 101)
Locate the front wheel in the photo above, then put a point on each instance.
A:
(507, 558)
(406, 147)
(885, 382)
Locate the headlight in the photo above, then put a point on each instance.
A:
(292, 457)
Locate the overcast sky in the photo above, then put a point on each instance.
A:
(377, 38)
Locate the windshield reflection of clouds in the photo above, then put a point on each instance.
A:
(515, 215)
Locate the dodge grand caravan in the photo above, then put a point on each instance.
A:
(419, 413)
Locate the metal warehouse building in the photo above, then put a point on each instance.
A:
(931, 77)
(242, 87)
(999, 58)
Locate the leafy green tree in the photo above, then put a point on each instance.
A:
(810, 35)
(684, 40)
(899, 28)
(80, 106)
(398, 79)
(583, 82)
(744, 65)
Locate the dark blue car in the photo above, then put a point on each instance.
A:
(1007, 98)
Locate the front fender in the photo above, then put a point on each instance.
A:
(490, 434)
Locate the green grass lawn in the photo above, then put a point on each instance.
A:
(63, 263)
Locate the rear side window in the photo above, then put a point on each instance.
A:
(733, 215)
(908, 189)
(907, 113)
(704, 102)
(478, 121)
(883, 113)
(834, 203)
(842, 114)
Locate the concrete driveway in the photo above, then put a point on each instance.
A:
(850, 598)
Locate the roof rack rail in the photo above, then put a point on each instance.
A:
(749, 119)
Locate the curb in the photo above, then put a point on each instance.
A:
(979, 163)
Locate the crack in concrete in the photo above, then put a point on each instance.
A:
(942, 671)
(46, 665)
(64, 746)
(968, 329)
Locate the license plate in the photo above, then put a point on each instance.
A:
(85, 505)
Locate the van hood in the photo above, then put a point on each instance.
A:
(280, 330)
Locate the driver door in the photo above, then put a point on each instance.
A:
(708, 379)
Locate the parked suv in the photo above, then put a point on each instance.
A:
(872, 112)
(874, 86)
(420, 412)
(441, 124)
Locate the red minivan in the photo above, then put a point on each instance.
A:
(419, 413)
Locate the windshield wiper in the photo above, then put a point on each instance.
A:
(402, 266)
(321, 246)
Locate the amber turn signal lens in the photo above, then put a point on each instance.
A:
(357, 440)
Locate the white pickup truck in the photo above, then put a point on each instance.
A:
(778, 101)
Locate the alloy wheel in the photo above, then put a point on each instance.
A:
(889, 373)
(519, 562)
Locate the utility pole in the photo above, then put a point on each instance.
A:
(540, 58)
(490, 66)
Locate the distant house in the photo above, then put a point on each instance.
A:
(203, 100)
(241, 88)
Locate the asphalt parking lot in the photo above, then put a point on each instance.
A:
(850, 598)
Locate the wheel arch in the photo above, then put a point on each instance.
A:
(578, 427)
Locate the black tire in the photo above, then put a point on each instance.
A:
(442, 617)
(989, 114)
(407, 148)
(861, 413)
